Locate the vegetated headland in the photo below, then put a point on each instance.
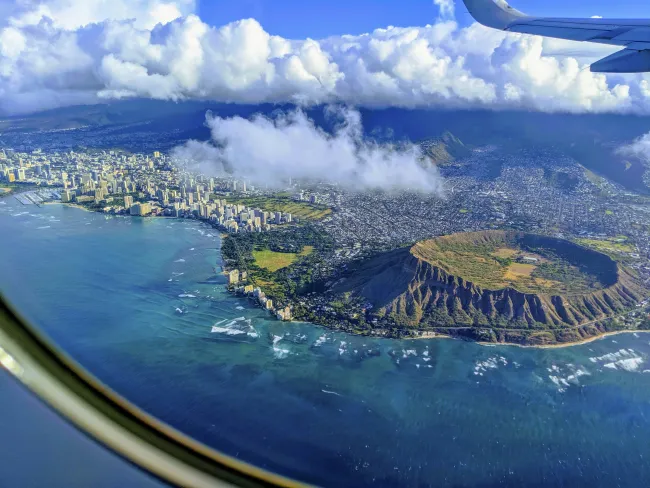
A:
(489, 286)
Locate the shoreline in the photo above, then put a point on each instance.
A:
(564, 344)
(71, 205)
(18, 189)
(437, 335)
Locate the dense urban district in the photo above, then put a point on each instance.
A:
(575, 262)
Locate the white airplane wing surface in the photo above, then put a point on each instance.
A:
(631, 34)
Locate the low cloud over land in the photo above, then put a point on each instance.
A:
(268, 151)
(639, 148)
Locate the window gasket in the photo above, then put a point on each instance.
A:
(102, 414)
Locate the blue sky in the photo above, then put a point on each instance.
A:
(322, 18)
(43, 65)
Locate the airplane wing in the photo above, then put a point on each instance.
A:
(631, 34)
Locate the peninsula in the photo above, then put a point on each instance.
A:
(489, 286)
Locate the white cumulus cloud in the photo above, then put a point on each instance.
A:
(446, 8)
(639, 148)
(72, 14)
(269, 151)
(61, 52)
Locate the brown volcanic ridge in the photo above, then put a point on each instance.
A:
(497, 286)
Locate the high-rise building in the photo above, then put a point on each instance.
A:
(67, 196)
(20, 174)
(140, 209)
(233, 277)
(278, 218)
(163, 196)
(128, 201)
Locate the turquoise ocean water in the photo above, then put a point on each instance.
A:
(135, 300)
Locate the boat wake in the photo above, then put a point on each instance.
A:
(331, 392)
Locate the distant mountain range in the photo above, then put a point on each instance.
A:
(445, 149)
(590, 139)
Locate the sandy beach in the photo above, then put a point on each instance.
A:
(73, 205)
(566, 344)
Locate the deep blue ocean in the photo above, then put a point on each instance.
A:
(135, 302)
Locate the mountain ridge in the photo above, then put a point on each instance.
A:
(407, 289)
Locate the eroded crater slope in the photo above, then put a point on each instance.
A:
(497, 281)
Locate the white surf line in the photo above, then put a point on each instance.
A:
(331, 392)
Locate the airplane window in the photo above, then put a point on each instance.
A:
(345, 244)
(31, 432)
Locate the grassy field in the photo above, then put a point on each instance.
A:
(516, 271)
(474, 265)
(593, 177)
(496, 267)
(505, 252)
(609, 212)
(273, 261)
(282, 203)
(608, 245)
(8, 190)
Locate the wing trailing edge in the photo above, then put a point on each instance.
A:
(631, 34)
